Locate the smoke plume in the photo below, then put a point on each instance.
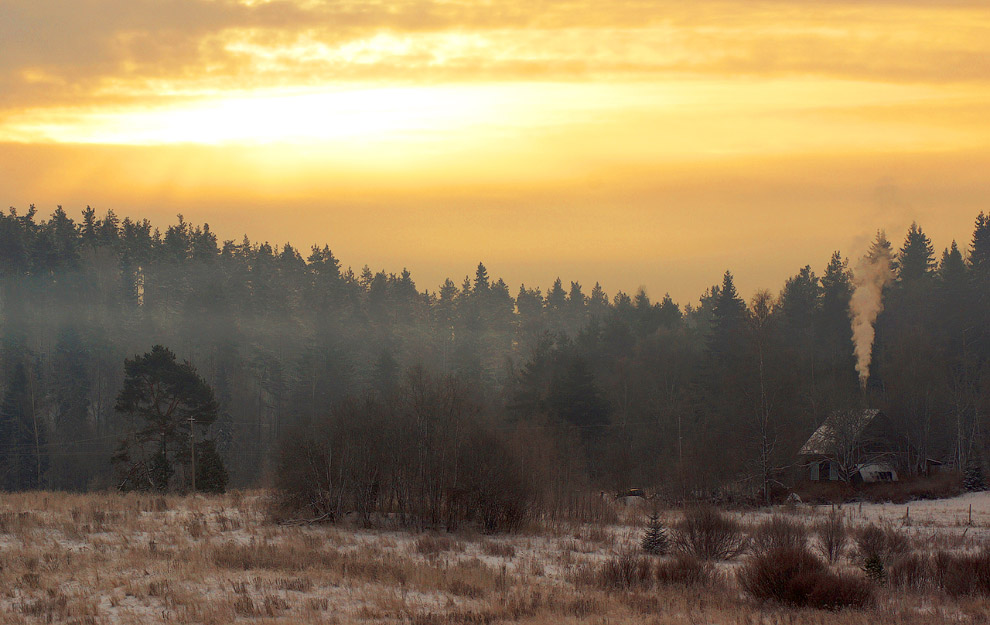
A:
(873, 272)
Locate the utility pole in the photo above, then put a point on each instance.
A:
(192, 451)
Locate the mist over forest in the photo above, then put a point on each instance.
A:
(626, 389)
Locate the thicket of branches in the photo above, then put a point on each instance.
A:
(640, 391)
(421, 455)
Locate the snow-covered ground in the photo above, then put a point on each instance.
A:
(142, 559)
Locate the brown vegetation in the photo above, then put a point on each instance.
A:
(832, 537)
(794, 576)
(908, 488)
(135, 559)
(708, 534)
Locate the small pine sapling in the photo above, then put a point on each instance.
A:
(874, 569)
(655, 539)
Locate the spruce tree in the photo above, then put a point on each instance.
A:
(728, 319)
(23, 453)
(655, 539)
(916, 259)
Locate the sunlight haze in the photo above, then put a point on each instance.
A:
(634, 143)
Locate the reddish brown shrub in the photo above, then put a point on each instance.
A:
(684, 571)
(883, 543)
(794, 576)
(965, 574)
(708, 534)
(832, 537)
(913, 571)
(626, 571)
(779, 533)
(834, 591)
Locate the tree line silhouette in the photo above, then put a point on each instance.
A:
(640, 392)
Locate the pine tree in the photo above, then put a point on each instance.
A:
(973, 479)
(874, 569)
(72, 432)
(23, 453)
(166, 402)
(916, 259)
(655, 539)
(211, 474)
(481, 281)
(728, 319)
(574, 395)
(556, 298)
(979, 255)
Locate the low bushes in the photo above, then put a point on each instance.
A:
(832, 537)
(794, 576)
(943, 485)
(708, 534)
(965, 574)
(625, 572)
(685, 571)
(957, 575)
(881, 543)
(632, 571)
(779, 533)
(421, 456)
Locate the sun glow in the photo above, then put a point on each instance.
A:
(360, 115)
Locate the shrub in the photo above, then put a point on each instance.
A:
(498, 549)
(781, 575)
(956, 574)
(832, 537)
(779, 533)
(794, 576)
(630, 571)
(913, 571)
(685, 570)
(833, 591)
(708, 534)
(965, 574)
(883, 544)
(420, 455)
(655, 539)
(626, 571)
(432, 545)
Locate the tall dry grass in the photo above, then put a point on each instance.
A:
(130, 559)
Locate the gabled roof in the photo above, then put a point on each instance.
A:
(847, 423)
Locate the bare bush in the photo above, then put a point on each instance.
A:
(498, 549)
(422, 457)
(632, 571)
(685, 570)
(779, 533)
(433, 545)
(708, 534)
(626, 571)
(832, 537)
(794, 576)
(913, 572)
(957, 574)
(881, 544)
(964, 574)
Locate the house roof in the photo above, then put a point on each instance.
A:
(852, 423)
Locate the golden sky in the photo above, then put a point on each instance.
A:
(638, 143)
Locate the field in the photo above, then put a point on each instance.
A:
(112, 558)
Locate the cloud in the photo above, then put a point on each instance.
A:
(99, 51)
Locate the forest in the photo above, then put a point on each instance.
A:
(626, 390)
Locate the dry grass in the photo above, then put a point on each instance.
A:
(130, 559)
